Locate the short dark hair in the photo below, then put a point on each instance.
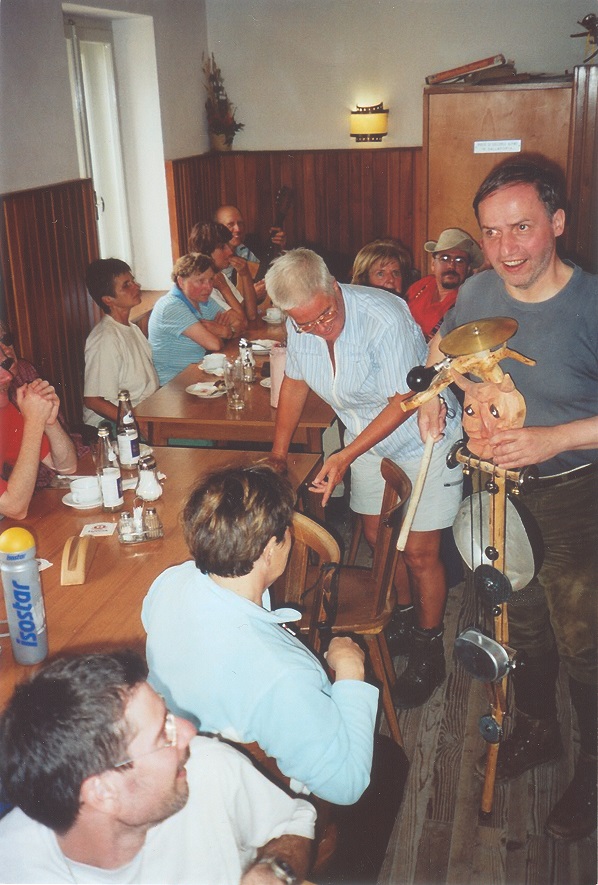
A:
(193, 262)
(232, 514)
(208, 235)
(100, 276)
(545, 176)
(65, 725)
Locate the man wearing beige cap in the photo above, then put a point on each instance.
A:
(454, 255)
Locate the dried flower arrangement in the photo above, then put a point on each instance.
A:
(220, 111)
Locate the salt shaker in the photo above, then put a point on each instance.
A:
(247, 360)
(148, 486)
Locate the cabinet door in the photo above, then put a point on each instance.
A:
(456, 118)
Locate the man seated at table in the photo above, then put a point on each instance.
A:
(231, 218)
(213, 239)
(117, 354)
(187, 321)
(29, 433)
(109, 786)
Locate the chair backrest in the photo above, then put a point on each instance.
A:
(396, 492)
(310, 541)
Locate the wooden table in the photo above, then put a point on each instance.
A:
(172, 412)
(104, 612)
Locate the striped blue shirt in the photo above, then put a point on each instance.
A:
(378, 345)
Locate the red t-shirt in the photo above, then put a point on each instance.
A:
(11, 436)
(427, 313)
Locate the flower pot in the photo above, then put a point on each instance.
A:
(218, 142)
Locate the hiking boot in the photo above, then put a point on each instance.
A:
(532, 742)
(574, 815)
(424, 672)
(399, 630)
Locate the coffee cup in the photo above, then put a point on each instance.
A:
(213, 361)
(274, 314)
(85, 490)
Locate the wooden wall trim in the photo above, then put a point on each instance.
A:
(48, 238)
(581, 230)
(343, 198)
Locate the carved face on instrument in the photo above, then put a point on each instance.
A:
(489, 406)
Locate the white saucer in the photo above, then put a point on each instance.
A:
(266, 382)
(205, 390)
(273, 322)
(68, 500)
(263, 345)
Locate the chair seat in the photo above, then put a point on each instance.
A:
(358, 600)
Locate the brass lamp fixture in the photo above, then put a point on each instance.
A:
(369, 123)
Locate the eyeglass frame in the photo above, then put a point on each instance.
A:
(170, 726)
(445, 258)
(326, 316)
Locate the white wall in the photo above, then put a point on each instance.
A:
(295, 68)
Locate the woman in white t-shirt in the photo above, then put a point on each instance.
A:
(117, 354)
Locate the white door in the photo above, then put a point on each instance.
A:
(95, 109)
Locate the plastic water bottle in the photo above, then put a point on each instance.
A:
(23, 595)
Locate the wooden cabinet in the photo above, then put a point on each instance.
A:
(555, 118)
(464, 127)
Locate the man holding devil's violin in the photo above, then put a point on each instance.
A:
(520, 211)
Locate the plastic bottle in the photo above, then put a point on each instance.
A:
(23, 596)
(109, 473)
(127, 431)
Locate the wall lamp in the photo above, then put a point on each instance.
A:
(369, 123)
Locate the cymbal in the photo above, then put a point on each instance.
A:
(478, 336)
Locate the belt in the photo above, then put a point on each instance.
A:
(546, 482)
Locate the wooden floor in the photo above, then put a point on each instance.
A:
(438, 837)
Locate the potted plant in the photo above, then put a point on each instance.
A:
(222, 125)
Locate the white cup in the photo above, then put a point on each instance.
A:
(85, 490)
(274, 314)
(213, 361)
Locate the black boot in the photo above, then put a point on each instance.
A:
(574, 815)
(424, 672)
(532, 742)
(399, 630)
(535, 739)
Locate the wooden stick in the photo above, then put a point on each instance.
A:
(416, 493)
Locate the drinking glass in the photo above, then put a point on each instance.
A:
(235, 385)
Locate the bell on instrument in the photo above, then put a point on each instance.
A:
(523, 551)
(482, 657)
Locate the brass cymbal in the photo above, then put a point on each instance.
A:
(478, 336)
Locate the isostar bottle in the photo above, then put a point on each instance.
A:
(23, 596)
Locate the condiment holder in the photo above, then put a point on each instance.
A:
(141, 525)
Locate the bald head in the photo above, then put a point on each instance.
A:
(231, 218)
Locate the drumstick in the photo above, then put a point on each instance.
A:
(416, 493)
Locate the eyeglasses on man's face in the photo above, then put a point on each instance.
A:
(170, 736)
(447, 259)
(325, 317)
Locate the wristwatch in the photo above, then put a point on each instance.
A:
(281, 869)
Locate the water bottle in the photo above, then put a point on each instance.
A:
(127, 431)
(247, 360)
(109, 473)
(23, 596)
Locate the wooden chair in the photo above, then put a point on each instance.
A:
(362, 600)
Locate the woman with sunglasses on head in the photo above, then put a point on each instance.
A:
(355, 353)
(384, 264)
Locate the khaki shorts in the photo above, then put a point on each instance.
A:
(441, 495)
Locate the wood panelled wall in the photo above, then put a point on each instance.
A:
(342, 198)
(581, 231)
(49, 236)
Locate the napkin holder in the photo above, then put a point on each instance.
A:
(76, 559)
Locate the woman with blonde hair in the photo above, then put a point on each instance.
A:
(385, 264)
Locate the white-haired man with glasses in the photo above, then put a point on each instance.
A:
(354, 346)
(109, 786)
